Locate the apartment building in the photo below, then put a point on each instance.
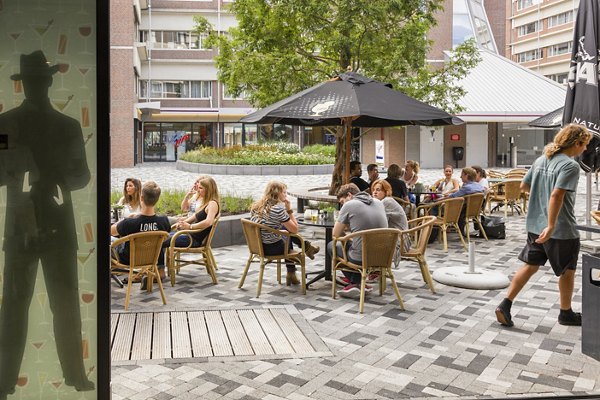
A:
(164, 79)
(540, 35)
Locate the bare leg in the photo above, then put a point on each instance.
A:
(566, 282)
(520, 279)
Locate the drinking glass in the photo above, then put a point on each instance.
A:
(314, 214)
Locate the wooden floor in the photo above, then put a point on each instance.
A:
(264, 332)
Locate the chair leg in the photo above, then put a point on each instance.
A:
(396, 290)
(363, 283)
(333, 281)
(279, 271)
(129, 279)
(425, 272)
(467, 230)
(210, 265)
(245, 271)
(171, 265)
(382, 281)
(445, 237)
(460, 235)
(160, 285)
(303, 277)
(260, 277)
(481, 229)
(505, 209)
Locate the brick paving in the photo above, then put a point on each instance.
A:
(444, 345)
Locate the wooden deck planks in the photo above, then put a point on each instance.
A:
(124, 332)
(142, 339)
(256, 336)
(199, 335)
(161, 334)
(218, 334)
(273, 332)
(182, 347)
(187, 334)
(237, 335)
(291, 331)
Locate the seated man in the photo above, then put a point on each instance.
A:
(372, 173)
(145, 221)
(355, 176)
(470, 186)
(359, 212)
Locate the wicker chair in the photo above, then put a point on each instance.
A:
(448, 214)
(508, 193)
(378, 247)
(494, 174)
(174, 254)
(252, 232)
(473, 207)
(421, 229)
(144, 249)
(409, 208)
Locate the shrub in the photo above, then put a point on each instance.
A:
(170, 202)
(326, 150)
(266, 154)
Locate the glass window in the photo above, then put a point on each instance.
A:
(461, 29)
(202, 136)
(178, 89)
(173, 39)
(528, 28)
(153, 148)
(526, 3)
(530, 55)
(250, 134)
(561, 48)
(560, 19)
(232, 134)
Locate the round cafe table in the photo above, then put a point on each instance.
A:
(328, 225)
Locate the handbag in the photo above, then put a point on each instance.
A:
(494, 227)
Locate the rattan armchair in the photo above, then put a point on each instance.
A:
(408, 207)
(420, 229)
(473, 206)
(449, 210)
(507, 193)
(378, 248)
(176, 255)
(144, 250)
(252, 232)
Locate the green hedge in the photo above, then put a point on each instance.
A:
(267, 154)
(170, 202)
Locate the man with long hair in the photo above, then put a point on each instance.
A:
(551, 233)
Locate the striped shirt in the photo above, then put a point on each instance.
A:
(277, 216)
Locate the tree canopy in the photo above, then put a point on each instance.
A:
(280, 47)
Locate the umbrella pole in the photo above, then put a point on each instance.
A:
(348, 136)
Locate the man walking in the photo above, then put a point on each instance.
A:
(551, 234)
(359, 212)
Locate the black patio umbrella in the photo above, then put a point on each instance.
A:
(582, 104)
(351, 100)
(551, 120)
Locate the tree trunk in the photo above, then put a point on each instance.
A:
(337, 178)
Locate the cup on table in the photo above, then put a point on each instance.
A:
(314, 215)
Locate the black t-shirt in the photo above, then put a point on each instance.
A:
(360, 182)
(399, 188)
(142, 223)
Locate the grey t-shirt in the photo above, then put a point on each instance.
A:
(396, 218)
(361, 213)
(560, 172)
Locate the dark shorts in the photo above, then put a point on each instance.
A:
(562, 253)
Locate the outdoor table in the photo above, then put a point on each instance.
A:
(418, 195)
(328, 225)
(304, 195)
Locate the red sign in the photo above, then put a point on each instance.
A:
(455, 136)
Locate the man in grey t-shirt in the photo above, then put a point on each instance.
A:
(359, 212)
(551, 234)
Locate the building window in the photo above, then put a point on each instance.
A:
(530, 55)
(526, 3)
(560, 19)
(177, 89)
(528, 28)
(560, 78)
(183, 40)
(561, 48)
(229, 96)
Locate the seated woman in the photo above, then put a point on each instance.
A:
(132, 190)
(208, 193)
(191, 202)
(275, 211)
(410, 177)
(481, 177)
(444, 186)
(395, 214)
(398, 186)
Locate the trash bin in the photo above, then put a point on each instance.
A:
(590, 310)
(458, 154)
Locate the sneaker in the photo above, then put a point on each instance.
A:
(311, 251)
(503, 316)
(349, 289)
(569, 318)
(373, 278)
(342, 280)
(368, 288)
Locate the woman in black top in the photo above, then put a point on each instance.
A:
(399, 188)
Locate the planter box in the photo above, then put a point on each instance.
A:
(254, 170)
(229, 231)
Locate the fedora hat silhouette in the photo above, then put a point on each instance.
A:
(34, 65)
